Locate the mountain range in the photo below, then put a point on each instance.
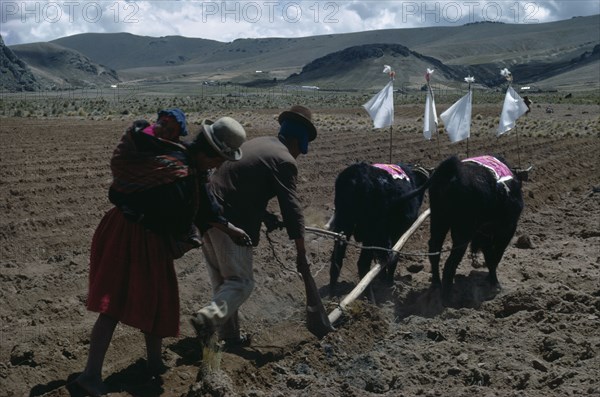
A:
(556, 55)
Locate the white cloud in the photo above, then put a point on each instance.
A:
(30, 21)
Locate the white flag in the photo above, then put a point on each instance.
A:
(430, 121)
(457, 119)
(514, 107)
(381, 107)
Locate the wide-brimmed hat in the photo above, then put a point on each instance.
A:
(225, 135)
(179, 117)
(303, 115)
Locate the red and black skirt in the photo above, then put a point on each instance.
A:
(132, 276)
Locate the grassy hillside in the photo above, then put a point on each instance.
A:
(534, 52)
(125, 50)
(62, 66)
(468, 44)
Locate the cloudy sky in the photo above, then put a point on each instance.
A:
(33, 21)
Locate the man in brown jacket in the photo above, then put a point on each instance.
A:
(267, 169)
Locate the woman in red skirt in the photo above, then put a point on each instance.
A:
(157, 190)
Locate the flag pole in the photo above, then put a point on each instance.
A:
(438, 145)
(391, 129)
(518, 145)
(381, 106)
(469, 122)
(437, 136)
(392, 75)
(509, 78)
(467, 147)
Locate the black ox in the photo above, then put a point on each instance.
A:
(367, 206)
(469, 200)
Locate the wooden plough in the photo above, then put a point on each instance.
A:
(364, 283)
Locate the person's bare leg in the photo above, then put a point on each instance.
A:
(91, 378)
(154, 355)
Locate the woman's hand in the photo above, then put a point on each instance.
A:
(238, 236)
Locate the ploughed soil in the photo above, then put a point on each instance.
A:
(538, 336)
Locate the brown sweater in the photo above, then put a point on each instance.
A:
(244, 187)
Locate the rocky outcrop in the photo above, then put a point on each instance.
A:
(15, 75)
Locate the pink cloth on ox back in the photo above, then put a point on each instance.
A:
(497, 167)
(394, 170)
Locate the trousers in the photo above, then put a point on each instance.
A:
(231, 276)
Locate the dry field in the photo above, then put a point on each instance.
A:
(538, 337)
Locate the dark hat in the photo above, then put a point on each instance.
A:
(303, 115)
(179, 117)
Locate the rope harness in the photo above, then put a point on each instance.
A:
(281, 263)
(340, 237)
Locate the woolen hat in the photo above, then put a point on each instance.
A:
(179, 117)
(303, 115)
(226, 136)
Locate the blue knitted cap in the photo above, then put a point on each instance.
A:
(179, 116)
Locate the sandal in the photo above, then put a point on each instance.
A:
(203, 329)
